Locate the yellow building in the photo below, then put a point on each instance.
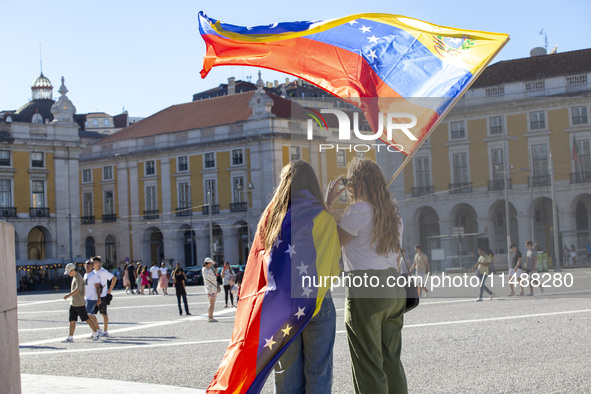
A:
(520, 116)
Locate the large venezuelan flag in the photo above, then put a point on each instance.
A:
(379, 62)
(274, 307)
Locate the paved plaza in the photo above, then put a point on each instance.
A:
(451, 344)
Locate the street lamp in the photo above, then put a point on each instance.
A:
(531, 199)
(250, 189)
(555, 258)
(505, 181)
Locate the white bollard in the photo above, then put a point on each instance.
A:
(10, 366)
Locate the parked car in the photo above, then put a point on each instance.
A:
(194, 276)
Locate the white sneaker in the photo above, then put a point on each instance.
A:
(68, 339)
(100, 332)
(95, 336)
(104, 334)
(479, 299)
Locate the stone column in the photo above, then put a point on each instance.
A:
(10, 366)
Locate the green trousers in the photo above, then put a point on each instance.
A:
(374, 331)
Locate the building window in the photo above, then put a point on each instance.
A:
(150, 167)
(210, 190)
(151, 201)
(105, 122)
(498, 164)
(5, 193)
(460, 163)
(341, 158)
(583, 158)
(237, 157)
(107, 173)
(209, 160)
(95, 122)
(109, 203)
(580, 115)
(238, 183)
(37, 159)
(458, 130)
(423, 172)
(4, 158)
(38, 188)
(87, 204)
(86, 175)
(184, 195)
(182, 163)
(295, 153)
(496, 125)
(537, 120)
(540, 160)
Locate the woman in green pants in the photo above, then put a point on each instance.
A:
(370, 231)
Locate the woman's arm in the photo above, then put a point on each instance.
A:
(344, 237)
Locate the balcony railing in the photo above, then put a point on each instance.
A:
(539, 180)
(418, 191)
(111, 217)
(456, 188)
(188, 211)
(499, 184)
(214, 209)
(153, 214)
(39, 212)
(580, 177)
(87, 219)
(238, 207)
(7, 212)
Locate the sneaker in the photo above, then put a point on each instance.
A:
(100, 332)
(188, 314)
(531, 294)
(104, 334)
(212, 320)
(492, 295)
(479, 299)
(68, 339)
(95, 336)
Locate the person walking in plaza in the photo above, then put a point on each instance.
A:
(228, 278)
(530, 265)
(126, 282)
(106, 296)
(482, 267)
(370, 232)
(211, 287)
(144, 278)
(573, 254)
(77, 304)
(515, 271)
(163, 282)
(179, 278)
(403, 267)
(92, 291)
(131, 274)
(423, 269)
(155, 275)
(565, 255)
(138, 277)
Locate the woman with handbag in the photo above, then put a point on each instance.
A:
(211, 287)
(228, 281)
(370, 231)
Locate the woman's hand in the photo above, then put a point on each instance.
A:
(333, 192)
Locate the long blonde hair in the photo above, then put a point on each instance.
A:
(296, 176)
(366, 183)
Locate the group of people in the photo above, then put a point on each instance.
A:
(141, 277)
(89, 294)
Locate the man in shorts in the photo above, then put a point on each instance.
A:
(530, 266)
(92, 288)
(515, 271)
(77, 303)
(104, 276)
(421, 263)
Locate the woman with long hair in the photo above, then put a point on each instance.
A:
(370, 231)
(211, 287)
(126, 282)
(145, 276)
(179, 277)
(228, 277)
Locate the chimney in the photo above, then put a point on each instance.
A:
(231, 85)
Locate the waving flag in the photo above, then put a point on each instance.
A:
(380, 62)
(274, 307)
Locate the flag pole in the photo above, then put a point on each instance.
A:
(454, 102)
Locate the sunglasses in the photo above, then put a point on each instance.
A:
(345, 181)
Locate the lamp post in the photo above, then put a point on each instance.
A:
(209, 207)
(250, 189)
(555, 258)
(505, 184)
(531, 199)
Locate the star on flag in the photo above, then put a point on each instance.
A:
(303, 268)
(300, 312)
(364, 29)
(269, 342)
(286, 330)
(290, 250)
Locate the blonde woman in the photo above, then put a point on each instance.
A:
(211, 287)
(370, 231)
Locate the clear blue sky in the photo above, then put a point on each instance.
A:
(146, 55)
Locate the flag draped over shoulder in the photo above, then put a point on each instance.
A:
(381, 63)
(274, 306)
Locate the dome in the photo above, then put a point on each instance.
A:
(42, 88)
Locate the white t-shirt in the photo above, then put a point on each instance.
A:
(104, 276)
(358, 254)
(90, 280)
(163, 271)
(154, 270)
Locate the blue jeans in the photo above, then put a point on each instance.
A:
(482, 279)
(306, 366)
(155, 285)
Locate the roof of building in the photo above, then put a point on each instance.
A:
(537, 67)
(199, 114)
